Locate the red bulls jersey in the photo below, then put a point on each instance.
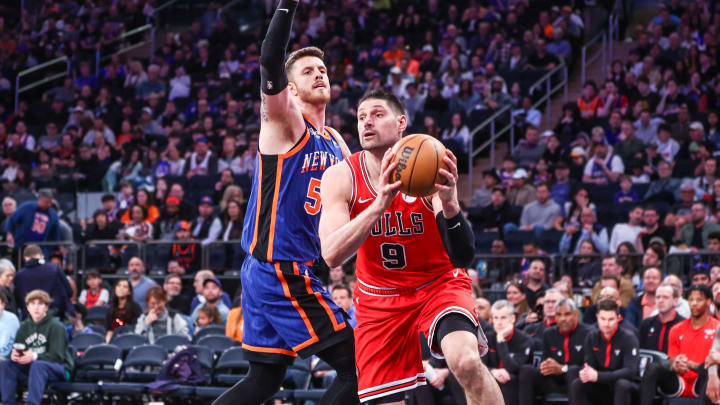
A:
(404, 249)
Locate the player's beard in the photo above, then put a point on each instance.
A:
(315, 96)
(375, 144)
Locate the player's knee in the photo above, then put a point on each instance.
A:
(576, 388)
(623, 386)
(466, 368)
(527, 372)
(652, 371)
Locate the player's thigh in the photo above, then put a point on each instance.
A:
(387, 346)
(450, 295)
(302, 313)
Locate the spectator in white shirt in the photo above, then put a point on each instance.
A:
(180, 84)
(627, 232)
(667, 147)
(646, 128)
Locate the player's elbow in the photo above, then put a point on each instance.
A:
(332, 259)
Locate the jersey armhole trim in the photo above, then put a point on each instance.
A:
(366, 174)
(428, 204)
(298, 146)
(336, 135)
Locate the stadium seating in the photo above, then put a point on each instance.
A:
(208, 331)
(171, 342)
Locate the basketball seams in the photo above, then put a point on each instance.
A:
(412, 170)
(437, 166)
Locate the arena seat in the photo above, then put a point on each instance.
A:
(484, 240)
(82, 341)
(171, 342)
(96, 314)
(145, 357)
(128, 341)
(231, 367)
(516, 239)
(99, 362)
(216, 343)
(208, 331)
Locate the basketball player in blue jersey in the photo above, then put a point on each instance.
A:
(286, 311)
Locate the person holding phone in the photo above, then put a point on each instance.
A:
(41, 354)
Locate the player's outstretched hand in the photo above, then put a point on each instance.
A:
(386, 187)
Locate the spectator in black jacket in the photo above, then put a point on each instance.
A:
(611, 362)
(608, 293)
(39, 275)
(563, 355)
(536, 330)
(509, 349)
(176, 299)
(498, 213)
(123, 310)
(655, 330)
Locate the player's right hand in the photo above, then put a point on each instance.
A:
(387, 189)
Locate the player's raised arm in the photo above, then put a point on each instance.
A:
(456, 232)
(282, 121)
(341, 237)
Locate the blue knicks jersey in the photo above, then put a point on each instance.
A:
(283, 212)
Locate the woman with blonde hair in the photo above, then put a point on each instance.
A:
(7, 275)
(232, 192)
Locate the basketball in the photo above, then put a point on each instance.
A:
(419, 158)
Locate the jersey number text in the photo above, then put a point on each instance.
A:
(312, 206)
(393, 255)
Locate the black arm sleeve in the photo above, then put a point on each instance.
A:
(273, 78)
(458, 238)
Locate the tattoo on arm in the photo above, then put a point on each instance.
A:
(263, 113)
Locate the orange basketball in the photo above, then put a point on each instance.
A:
(419, 158)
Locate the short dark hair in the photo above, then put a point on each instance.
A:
(302, 53)
(651, 207)
(498, 190)
(381, 94)
(343, 287)
(93, 274)
(714, 235)
(99, 212)
(702, 288)
(608, 305)
(615, 258)
(664, 127)
(653, 268)
(542, 184)
(170, 277)
(613, 278)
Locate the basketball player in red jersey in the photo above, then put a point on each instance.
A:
(408, 253)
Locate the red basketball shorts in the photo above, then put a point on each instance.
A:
(389, 322)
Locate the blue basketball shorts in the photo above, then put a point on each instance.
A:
(287, 312)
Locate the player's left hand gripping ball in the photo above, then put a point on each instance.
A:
(448, 191)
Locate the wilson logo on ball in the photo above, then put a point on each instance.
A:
(405, 155)
(418, 159)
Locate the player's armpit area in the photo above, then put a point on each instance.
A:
(336, 196)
